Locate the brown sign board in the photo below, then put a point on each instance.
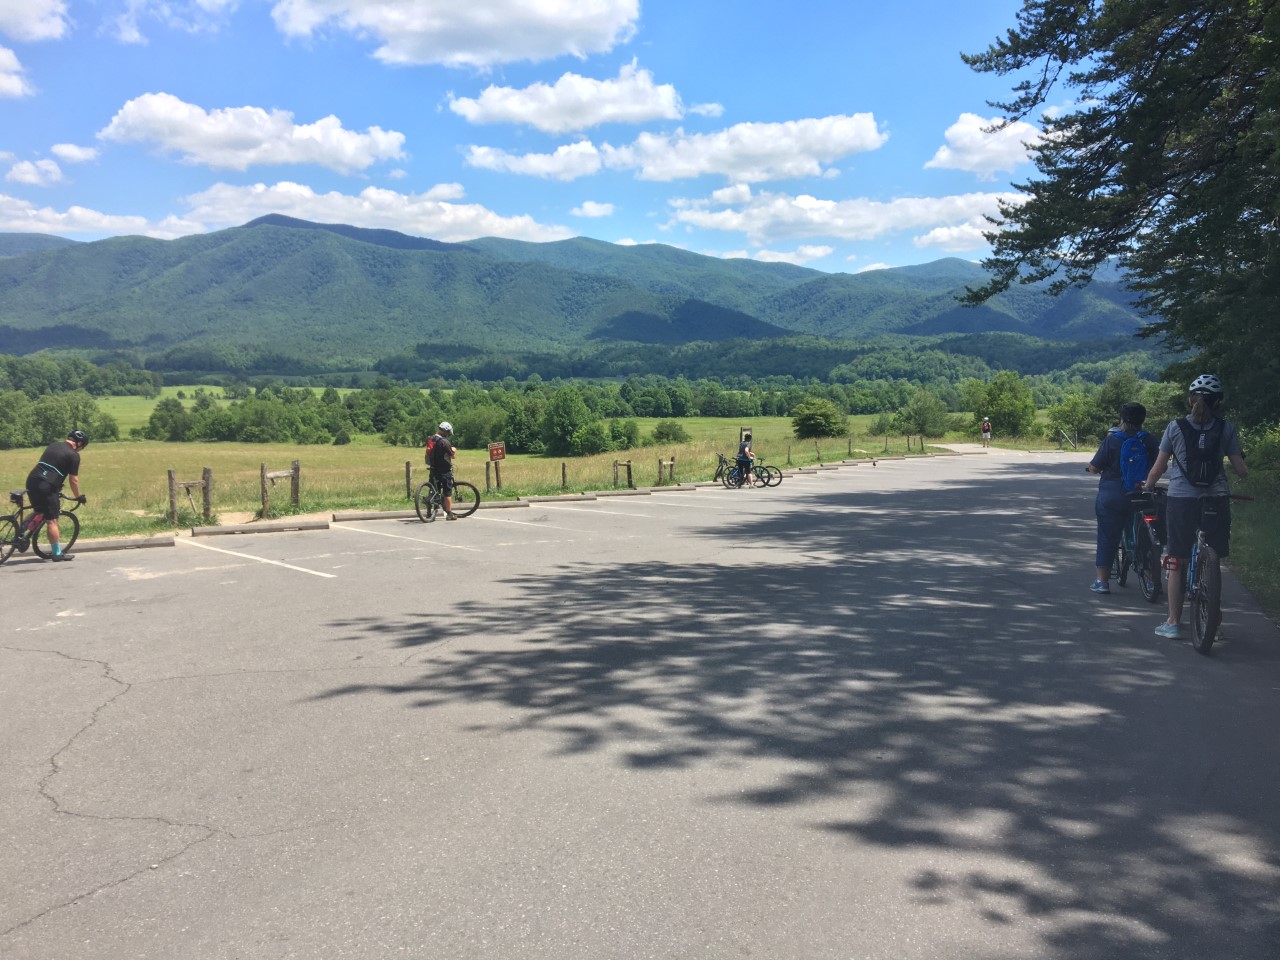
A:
(497, 451)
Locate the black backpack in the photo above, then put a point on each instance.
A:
(1204, 452)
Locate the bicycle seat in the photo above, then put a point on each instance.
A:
(17, 495)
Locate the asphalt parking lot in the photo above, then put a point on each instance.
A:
(874, 712)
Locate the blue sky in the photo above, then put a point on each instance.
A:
(840, 135)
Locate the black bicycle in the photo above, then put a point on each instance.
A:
(1139, 549)
(428, 499)
(1204, 583)
(14, 524)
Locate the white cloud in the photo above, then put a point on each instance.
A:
(873, 266)
(188, 16)
(575, 102)
(955, 239)
(12, 81)
(569, 162)
(419, 214)
(745, 153)
(468, 34)
(769, 217)
(750, 152)
(800, 256)
(627, 242)
(972, 147)
(738, 193)
(30, 20)
(240, 137)
(19, 216)
(35, 173)
(70, 153)
(590, 208)
(707, 109)
(803, 254)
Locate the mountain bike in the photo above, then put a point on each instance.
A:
(428, 499)
(12, 525)
(1204, 583)
(1139, 549)
(769, 476)
(721, 468)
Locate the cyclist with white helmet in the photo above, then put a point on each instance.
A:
(440, 459)
(1191, 450)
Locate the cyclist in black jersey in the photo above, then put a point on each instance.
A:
(59, 464)
(440, 459)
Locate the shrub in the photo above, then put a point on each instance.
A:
(670, 431)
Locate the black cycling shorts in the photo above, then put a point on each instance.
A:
(44, 499)
(1184, 515)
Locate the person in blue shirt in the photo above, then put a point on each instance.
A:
(1113, 504)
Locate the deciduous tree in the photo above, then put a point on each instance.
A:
(1166, 160)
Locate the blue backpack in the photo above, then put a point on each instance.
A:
(1134, 464)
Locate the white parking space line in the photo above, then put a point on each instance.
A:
(615, 513)
(248, 556)
(401, 536)
(675, 500)
(526, 523)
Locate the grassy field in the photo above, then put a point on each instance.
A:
(128, 487)
(128, 490)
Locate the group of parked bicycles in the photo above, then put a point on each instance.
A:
(733, 476)
(1140, 551)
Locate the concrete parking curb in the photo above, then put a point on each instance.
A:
(281, 527)
(134, 543)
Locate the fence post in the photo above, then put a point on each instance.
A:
(615, 473)
(660, 466)
(487, 485)
(672, 469)
(295, 483)
(266, 497)
(408, 479)
(207, 477)
(788, 454)
(173, 500)
(564, 475)
(631, 484)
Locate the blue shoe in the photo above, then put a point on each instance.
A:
(1100, 586)
(1170, 630)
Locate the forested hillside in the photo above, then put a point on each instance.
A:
(286, 296)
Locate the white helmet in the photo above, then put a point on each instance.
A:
(446, 427)
(1206, 384)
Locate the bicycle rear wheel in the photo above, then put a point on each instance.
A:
(1146, 562)
(466, 498)
(8, 536)
(775, 476)
(1120, 565)
(68, 531)
(1206, 600)
(425, 502)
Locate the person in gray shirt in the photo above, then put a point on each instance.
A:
(1191, 450)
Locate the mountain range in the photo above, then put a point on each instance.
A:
(331, 296)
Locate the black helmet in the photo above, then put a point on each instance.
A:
(80, 437)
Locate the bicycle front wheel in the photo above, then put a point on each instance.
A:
(775, 476)
(68, 530)
(8, 536)
(466, 498)
(1206, 600)
(1146, 562)
(425, 502)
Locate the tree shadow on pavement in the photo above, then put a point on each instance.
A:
(932, 658)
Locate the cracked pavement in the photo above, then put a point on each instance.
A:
(849, 716)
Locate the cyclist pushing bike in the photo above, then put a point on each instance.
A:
(1122, 461)
(1191, 450)
(59, 464)
(439, 455)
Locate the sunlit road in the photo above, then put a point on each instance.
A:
(871, 713)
